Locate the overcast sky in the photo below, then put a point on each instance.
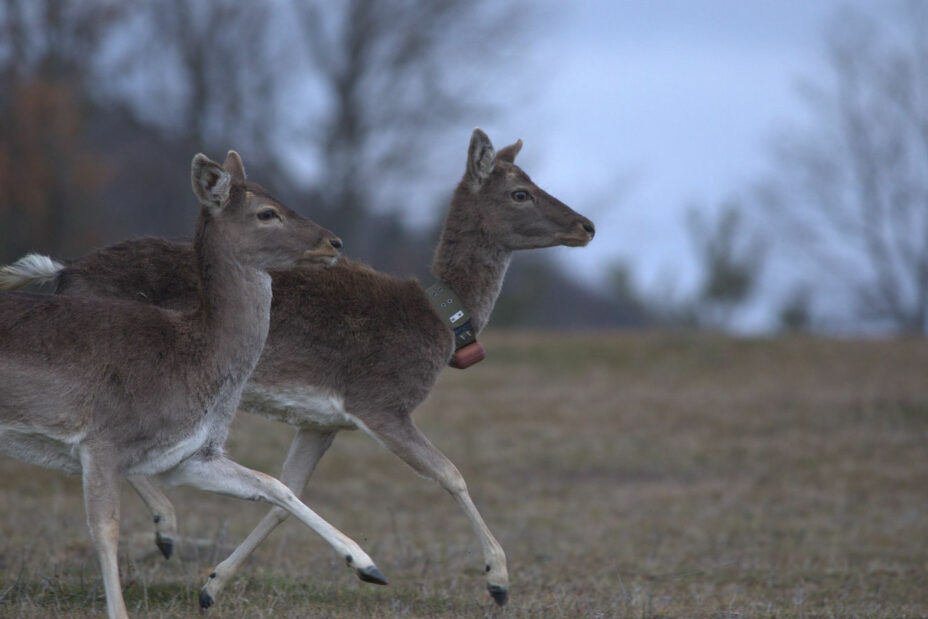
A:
(642, 109)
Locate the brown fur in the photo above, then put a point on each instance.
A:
(316, 314)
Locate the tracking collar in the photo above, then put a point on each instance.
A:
(467, 350)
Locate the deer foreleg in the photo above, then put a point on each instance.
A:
(162, 512)
(224, 476)
(307, 448)
(404, 439)
(101, 502)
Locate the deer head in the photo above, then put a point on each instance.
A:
(267, 234)
(503, 203)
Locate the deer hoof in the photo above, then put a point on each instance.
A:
(206, 600)
(500, 594)
(165, 545)
(373, 575)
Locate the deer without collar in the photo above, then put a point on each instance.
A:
(350, 347)
(105, 387)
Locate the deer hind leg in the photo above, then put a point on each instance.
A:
(162, 512)
(224, 476)
(101, 502)
(307, 448)
(404, 439)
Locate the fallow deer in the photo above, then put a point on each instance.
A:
(107, 388)
(350, 347)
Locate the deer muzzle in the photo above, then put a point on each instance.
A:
(326, 254)
(582, 234)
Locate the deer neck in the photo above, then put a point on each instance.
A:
(474, 267)
(235, 302)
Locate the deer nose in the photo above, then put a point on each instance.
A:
(589, 228)
(335, 242)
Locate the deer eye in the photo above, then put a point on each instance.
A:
(520, 195)
(268, 214)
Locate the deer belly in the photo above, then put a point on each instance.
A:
(166, 457)
(41, 450)
(302, 406)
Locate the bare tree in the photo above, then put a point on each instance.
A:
(396, 74)
(851, 187)
(731, 259)
(52, 39)
(203, 71)
(795, 311)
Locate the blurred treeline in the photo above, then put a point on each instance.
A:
(335, 107)
(344, 110)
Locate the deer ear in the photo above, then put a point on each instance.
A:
(234, 166)
(509, 153)
(480, 159)
(211, 183)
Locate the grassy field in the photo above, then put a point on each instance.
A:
(624, 474)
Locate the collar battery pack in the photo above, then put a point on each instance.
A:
(467, 350)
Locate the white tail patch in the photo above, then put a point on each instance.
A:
(30, 269)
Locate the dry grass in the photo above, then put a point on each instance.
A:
(625, 474)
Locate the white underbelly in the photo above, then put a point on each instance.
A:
(302, 406)
(165, 458)
(51, 453)
(63, 453)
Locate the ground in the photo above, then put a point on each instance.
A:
(624, 474)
